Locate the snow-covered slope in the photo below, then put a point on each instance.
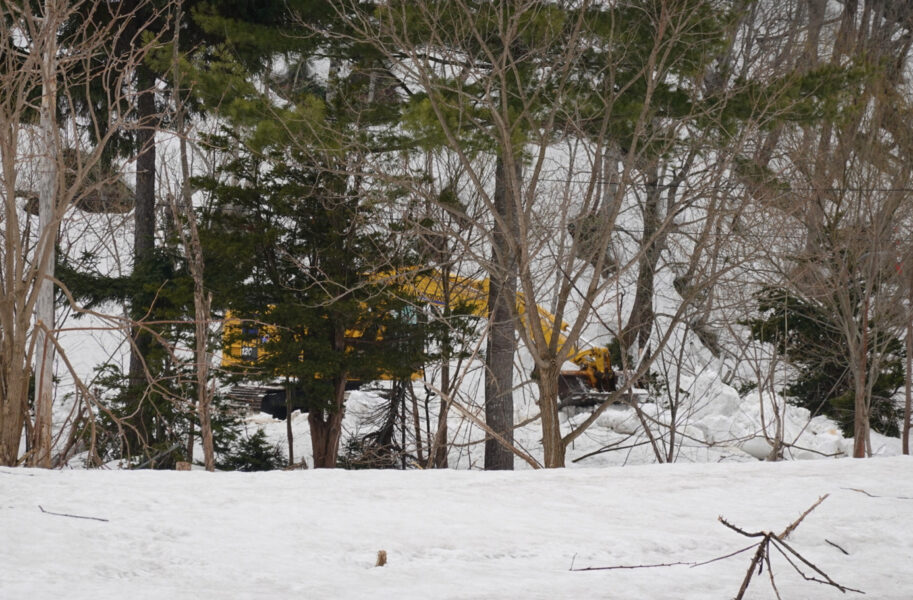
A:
(452, 534)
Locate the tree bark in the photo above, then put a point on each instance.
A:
(552, 444)
(194, 253)
(439, 443)
(416, 424)
(47, 236)
(144, 213)
(439, 449)
(289, 432)
(502, 344)
(326, 428)
(860, 402)
(636, 334)
(13, 405)
(908, 386)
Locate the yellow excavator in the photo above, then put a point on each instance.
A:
(588, 384)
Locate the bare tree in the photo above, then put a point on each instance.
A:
(840, 188)
(509, 74)
(34, 67)
(185, 217)
(47, 235)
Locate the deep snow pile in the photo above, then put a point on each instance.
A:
(452, 534)
(713, 423)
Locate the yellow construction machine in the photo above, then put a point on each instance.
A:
(588, 384)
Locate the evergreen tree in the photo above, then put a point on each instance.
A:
(291, 250)
(253, 453)
(809, 336)
(152, 409)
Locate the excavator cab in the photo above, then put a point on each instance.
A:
(592, 383)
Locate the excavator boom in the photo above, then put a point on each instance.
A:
(589, 384)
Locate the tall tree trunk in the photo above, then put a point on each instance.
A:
(326, 428)
(640, 322)
(502, 345)
(908, 384)
(13, 406)
(144, 214)
(439, 444)
(289, 430)
(416, 425)
(47, 239)
(194, 252)
(860, 420)
(552, 444)
(860, 403)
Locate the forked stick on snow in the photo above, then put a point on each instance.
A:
(762, 556)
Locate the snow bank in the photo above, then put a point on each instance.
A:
(450, 534)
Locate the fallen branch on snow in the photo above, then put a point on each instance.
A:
(57, 514)
(761, 557)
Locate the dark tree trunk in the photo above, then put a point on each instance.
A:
(502, 345)
(289, 433)
(326, 428)
(861, 402)
(640, 322)
(553, 445)
(144, 215)
(908, 388)
(439, 450)
(439, 444)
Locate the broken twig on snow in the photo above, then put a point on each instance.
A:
(836, 546)
(760, 558)
(57, 514)
(762, 555)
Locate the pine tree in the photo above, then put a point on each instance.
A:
(291, 252)
(807, 333)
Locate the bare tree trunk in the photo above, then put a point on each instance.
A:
(502, 344)
(289, 432)
(13, 407)
(908, 401)
(194, 253)
(861, 420)
(553, 445)
(860, 403)
(439, 444)
(416, 424)
(326, 428)
(640, 322)
(47, 239)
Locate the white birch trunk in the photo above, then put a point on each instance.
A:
(47, 237)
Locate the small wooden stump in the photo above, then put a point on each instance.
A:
(381, 558)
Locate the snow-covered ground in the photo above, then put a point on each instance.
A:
(452, 534)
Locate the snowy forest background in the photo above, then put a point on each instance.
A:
(718, 192)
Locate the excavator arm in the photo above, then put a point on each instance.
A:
(588, 384)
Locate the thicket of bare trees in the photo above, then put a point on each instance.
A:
(641, 170)
(49, 169)
(838, 188)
